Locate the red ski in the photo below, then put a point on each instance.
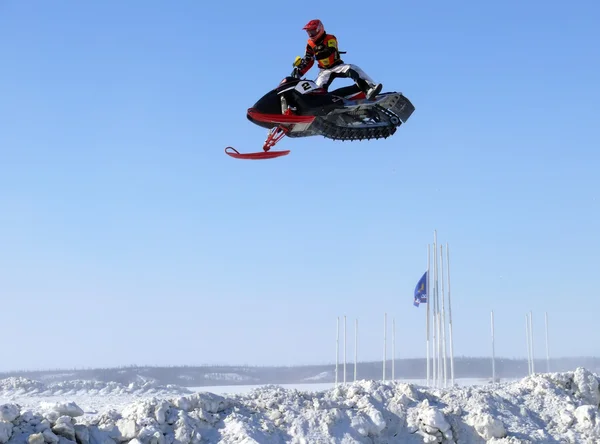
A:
(255, 156)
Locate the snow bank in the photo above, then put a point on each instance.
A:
(229, 377)
(323, 376)
(555, 407)
(18, 387)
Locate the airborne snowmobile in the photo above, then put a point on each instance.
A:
(299, 108)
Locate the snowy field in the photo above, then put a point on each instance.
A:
(544, 408)
(317, 386)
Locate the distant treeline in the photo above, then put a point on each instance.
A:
(210, 374)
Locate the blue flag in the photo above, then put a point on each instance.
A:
(421, 291)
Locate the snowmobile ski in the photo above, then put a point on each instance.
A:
(255, 156)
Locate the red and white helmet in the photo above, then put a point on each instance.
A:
(314, 29)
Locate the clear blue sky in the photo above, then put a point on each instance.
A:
(128, 236)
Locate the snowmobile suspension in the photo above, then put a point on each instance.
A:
(274, 136)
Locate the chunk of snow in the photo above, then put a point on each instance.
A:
(587, 386)
(487, 426)
(36, 438)
(50, 436)
(64, 427)
(431, 421)
(6, 429)
(54, 410)
(9, 412)
(586, 416)
(82, 434)
(128, 428)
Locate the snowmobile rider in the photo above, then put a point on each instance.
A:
(324, 48)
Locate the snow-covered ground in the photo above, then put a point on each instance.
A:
(315, 386)
(92, 396)
(544, 408)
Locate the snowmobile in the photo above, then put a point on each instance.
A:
(297, 107)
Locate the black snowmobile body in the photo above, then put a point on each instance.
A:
(299, 108)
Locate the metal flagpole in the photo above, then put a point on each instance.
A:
(384, 342)
(434, 312)
(528, 344)
(450, 316)
(355, 347)
(337, 351)
(393, 349)
(443, 318)
(439, 320)
(547, 346)
(344, 349)
(493, 352)
(427, 327)
(531, 340)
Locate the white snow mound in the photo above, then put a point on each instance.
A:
(18, 387)
(545, 408)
